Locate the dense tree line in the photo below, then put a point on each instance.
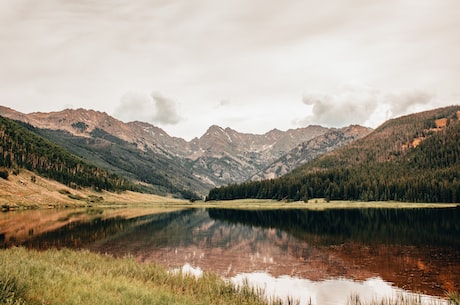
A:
(22, 148)
(386, 165)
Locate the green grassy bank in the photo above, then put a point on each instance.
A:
(73, 277)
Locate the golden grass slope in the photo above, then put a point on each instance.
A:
(27, 190)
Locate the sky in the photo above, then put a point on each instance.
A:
(249, 65)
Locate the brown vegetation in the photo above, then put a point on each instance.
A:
(19, 191)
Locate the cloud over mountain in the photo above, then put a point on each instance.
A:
(166, 112)
(361, 104)
(153, 108)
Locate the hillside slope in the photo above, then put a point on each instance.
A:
(27, 190)
(104, 162)
(155, 172)
(22, 148)
(411, 158)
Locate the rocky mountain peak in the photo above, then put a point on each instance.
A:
(13, 114)
(81, 122)
(214, 132)
(308, 150)
(214, 129)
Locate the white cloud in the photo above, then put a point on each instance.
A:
(406, 102)
(153, 108)
(135, 106)
(354, 103)
(166, 112)
(350, 105)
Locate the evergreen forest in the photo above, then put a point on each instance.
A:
(22, 148)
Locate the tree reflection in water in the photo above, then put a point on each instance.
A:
(416, 249)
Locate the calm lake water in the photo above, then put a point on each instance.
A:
(302, 253)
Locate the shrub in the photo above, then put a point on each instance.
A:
(4, 173)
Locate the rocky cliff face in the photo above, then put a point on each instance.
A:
(226, 156)
(219, 157)
(311, 149)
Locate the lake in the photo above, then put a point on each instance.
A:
(302, 253)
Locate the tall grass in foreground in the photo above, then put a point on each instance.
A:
(80, 277)
(72, 277)
(451, 299)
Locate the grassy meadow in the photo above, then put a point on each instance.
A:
(315, 204)
(74, 277)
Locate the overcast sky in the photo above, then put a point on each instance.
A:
(249, 65)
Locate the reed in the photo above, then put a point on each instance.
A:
(403, 300)
(453, 297)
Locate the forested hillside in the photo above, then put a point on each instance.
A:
(22, 148)
(412, 158)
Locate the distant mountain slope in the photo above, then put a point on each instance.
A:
(226, 156)
(411, 158)
(22, 148)
(81, 122)
(311, 149)
(221, 156)
(154, 172)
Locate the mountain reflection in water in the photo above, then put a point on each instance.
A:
(415, 249)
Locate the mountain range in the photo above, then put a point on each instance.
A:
(162, 164)
(411, 158)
